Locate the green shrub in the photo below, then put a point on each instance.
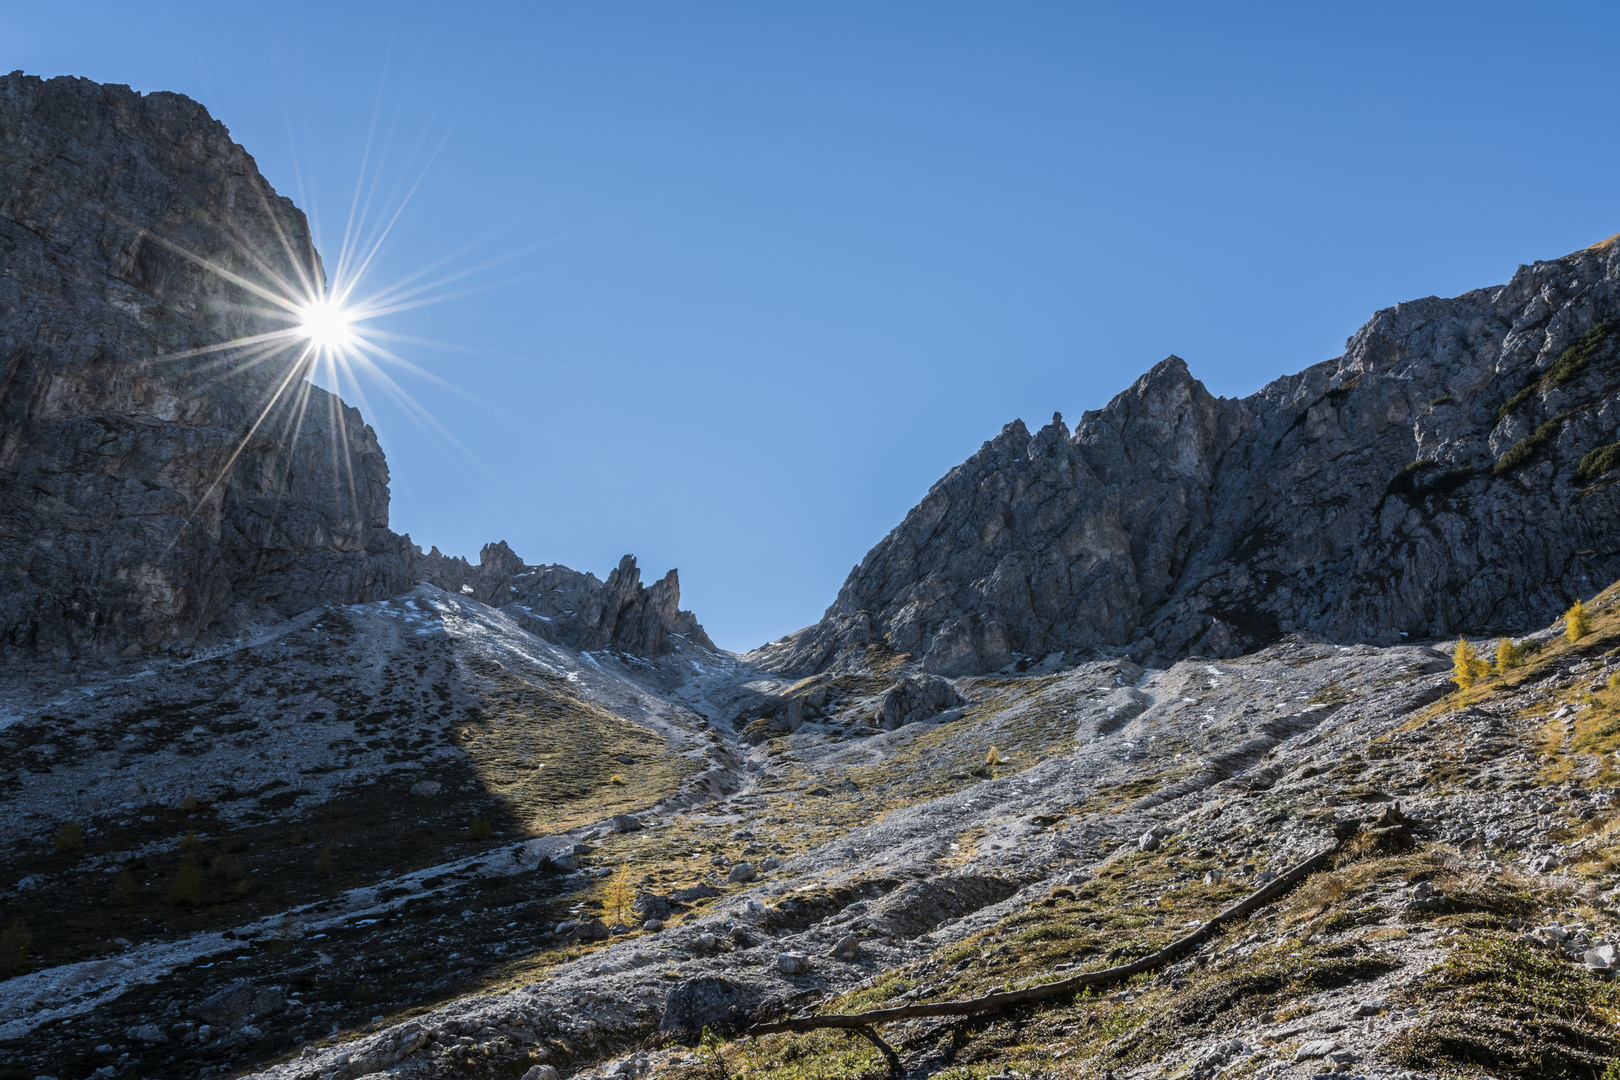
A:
(1573, 360)
(1570, 363)
(1516, 400)
(1450, 481)
(480, 829)
(1406, 480)
(1603, 460)
(1520, 453)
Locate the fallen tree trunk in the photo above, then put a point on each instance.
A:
(996, 1002)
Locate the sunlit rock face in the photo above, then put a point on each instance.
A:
(1428, 481)
(135, 508)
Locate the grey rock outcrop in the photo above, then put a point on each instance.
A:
(147, 482)
(1448, 473)
(239, 1003)
(573, 608)
(915, 699)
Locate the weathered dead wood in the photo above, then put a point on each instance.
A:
(995, 1002)
(889, 1053)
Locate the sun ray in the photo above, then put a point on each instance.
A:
(310, 326)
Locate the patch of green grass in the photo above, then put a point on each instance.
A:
(1500, 1005)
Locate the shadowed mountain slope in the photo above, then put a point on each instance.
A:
(166, 469)
(144, 489)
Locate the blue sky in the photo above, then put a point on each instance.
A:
(771, 270)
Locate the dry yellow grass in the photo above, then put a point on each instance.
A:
(552, 757)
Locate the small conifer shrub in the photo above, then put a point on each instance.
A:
(323, 862)
(1524, 451)
(1467, 666)
(1597, 463)
(1576, 624)
(188, 887)
(480, 829)
(125, 890)
(620, 892)
(1570, 363)
(1508, 656)
(70, 838)
(15, 945)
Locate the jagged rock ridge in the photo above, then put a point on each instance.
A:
(1428, 481)
(569, 607)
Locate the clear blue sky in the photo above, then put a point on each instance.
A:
(775, 268)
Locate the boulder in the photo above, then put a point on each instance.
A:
(710, 1001)
(240, 1003)
(1316, 1048)
(558, 852)
(696, 892)
(916, 699)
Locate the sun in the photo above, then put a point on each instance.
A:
(327, 324)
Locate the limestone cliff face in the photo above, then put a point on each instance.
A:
(574, 609)
(134, 507)
(1429, 481)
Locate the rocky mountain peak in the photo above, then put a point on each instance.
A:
(1446, 474)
